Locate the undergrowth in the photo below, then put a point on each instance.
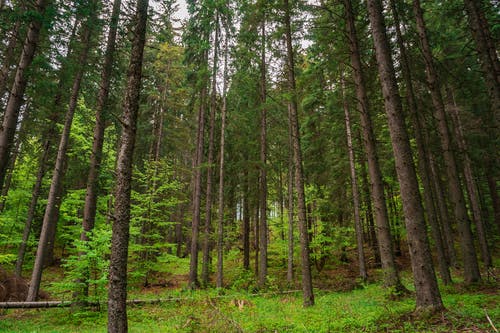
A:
(362, 310)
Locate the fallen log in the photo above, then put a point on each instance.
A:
(66, 304)
(34, 305)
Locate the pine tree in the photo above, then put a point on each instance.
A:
(117, 295)
(427, 292)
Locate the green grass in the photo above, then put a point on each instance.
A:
(362, 310)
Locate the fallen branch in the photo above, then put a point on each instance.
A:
(489, 320)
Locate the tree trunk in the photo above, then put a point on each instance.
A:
(256, 236)
(205, 270)
(16, 96)
(423, 154)
(439, 195)
(246, 222)
(307, 289)
(290, 265)
(198, 160)
(89, 211)
(391, 275)
(35, 194)
(369, 215)
(117, 294)
(49, 223)
(263, 229)
(220, 224)
(355, 191)
(470, 183)
(471, 268)
(427, 292)
(178, 232)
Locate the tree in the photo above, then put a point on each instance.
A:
(197, 53)
(471, 268)
(220, 221)
(427, 292)
(89, 211)
(355, 190)
(308, 295)
(117, 295)
(53, 201)
(210, 158)
(16, 95)
(391, 276)
(263, 227)
(423, 160)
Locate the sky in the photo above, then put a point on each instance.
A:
(182, 12)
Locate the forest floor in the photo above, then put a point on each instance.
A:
(342, 305)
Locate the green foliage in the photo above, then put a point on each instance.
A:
(158, 194)
(87, 267)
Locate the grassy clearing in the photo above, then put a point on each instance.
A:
(362, 310)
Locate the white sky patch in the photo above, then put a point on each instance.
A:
(182, 12)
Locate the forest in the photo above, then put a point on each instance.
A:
(249, 166)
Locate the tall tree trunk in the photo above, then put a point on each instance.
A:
(8, 129)
(470, 183)
(256, 235)
(198, 160)
(444, 216)
(308, 295)
(117, 294)
(205, 270)
(263, 229)
(47, 234)
(471, 267)
(290, 265)
(369, 215)
(35, 194)
(89, 211)
(391, 275)
(355, 191)
(246, 222)
(427, 292)
(220, 223)
(423, 154)
(178, 232)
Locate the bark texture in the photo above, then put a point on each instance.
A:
(428, 297)
(391, 275)
(117, 294)
(423, 154)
